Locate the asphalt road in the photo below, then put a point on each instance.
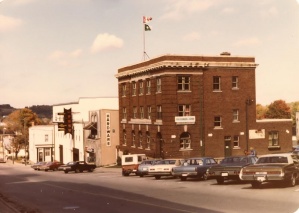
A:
(105, 190)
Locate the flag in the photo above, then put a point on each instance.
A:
(146, 19)
(147, 28)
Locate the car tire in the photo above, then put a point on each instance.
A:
(157, 177)
(220, 180)
(292, 181)
(183, 178)
(77, 170)
(204, 176)
(141, 175)
(90, 170)
(256, 184)
(65, 172)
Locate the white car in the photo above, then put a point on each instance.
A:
(164, 167)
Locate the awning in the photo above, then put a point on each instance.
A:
(92, 125)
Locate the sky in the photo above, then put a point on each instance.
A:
(57, 51)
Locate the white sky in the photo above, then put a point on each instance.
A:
(56, 51)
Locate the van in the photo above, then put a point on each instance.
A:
(130, 163)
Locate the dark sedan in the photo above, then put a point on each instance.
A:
(229, 168)
(77, 166)
(194, 167)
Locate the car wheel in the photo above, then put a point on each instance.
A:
(157, 177)
(183, 178)
(141, 175)
(90, 170)
(46, 170)
(256, 184)
(77, 170)
(65, 172)
(292, 181)
(204, 176)
(220, 180)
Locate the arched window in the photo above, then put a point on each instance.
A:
(148, 140)
(133, 138)
(124, 137)
(185, 141)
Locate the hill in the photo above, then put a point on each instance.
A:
(43, 111)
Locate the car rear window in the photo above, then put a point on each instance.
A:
(272, 159)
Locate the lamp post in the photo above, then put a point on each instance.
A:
(248, 102)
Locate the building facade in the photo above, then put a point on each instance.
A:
(187, 106)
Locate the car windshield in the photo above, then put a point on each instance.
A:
(272, 159)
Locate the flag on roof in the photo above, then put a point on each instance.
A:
(147, 28)
(146, 19)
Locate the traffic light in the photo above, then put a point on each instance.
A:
(68, 121)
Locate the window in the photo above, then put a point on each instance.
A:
(124, 113)
(217, 83)
(124, 137)
(148, 86)
(134, 112)
(123, 90)
(184, 110)
(140, 87)
(235, 82)
(217, 121)
(158, 84)
(148, 140)
(185, 141)
(235, 115)
(183, 83)
(46, 138)
(149, 111)
(47, 152)
(140, 139)
(141, 112)
(273, 138)
(133, 88)
(236, 141)
(133, 138)
(159, 112)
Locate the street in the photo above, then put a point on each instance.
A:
(106, 190)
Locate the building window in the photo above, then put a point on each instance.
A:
(235, 115)
(183, 83)
(185, 141)
(158, 84)
(141, 112)
(47, 152)
(134, 112)
(217, 83)
(273, 138)
(159, 112)
(46, 138)
(148, 140)
(133, 88)
(236, 141)
(184, 110)
(125, 113)
(217, 121)
(148, 86)
(133, 138)
(149, 111)
(235, 82)
(140, 87)
(123, 90)
(124, 137)
(140, 139)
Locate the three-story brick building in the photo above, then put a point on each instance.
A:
(186, 106)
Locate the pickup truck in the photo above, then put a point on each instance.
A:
(272, 168)
(77, 166)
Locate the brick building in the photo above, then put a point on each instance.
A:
(186, 106)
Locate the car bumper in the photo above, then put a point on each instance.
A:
(262, 178)
(160, 173)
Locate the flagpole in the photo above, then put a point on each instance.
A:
(143, 29)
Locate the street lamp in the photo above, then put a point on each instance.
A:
(248, 102)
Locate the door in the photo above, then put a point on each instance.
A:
(227, 146)
(75, 154)
(61, 153)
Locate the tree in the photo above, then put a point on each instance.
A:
(260, 111)
(278, 109)
(19, 122)
(294, 108)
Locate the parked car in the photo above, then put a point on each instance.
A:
(130, 163)
(50, 166)
(272, 168)
(143, 167)
(194, 167)
(77, 166)
(229, 168)
(37, 165)
(164, 167)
